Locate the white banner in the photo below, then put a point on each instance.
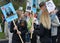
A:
(50, 6)
(28, 6)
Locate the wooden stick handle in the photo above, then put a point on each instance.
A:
(21, 38)
(32, 25)
(31, 35)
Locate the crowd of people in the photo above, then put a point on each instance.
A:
(30, 25)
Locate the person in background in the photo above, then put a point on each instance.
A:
(54, 25)
(35, 25)
(58, 14)
(20, 15)
(38, 16)
(29, 25)
(6, 29)
(26, 15)
(5, 26)
(10, 34)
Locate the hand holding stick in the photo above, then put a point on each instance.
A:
(18, 31)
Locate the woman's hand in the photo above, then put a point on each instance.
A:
(31, 30)
(15, 28)
(18, 32)
(54, 12)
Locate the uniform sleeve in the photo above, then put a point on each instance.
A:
(40, 31)
(55, 22)
(11, 28)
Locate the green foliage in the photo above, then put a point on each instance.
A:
(16, 5)
(2, 35)
(57, 3)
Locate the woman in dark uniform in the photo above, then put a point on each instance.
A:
(22, 27)
(45, 25)
(43, 30)
(22, 30)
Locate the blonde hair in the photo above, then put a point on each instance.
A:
(19, 13)
(45, 20)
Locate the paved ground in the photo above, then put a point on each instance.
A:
(4, 41)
